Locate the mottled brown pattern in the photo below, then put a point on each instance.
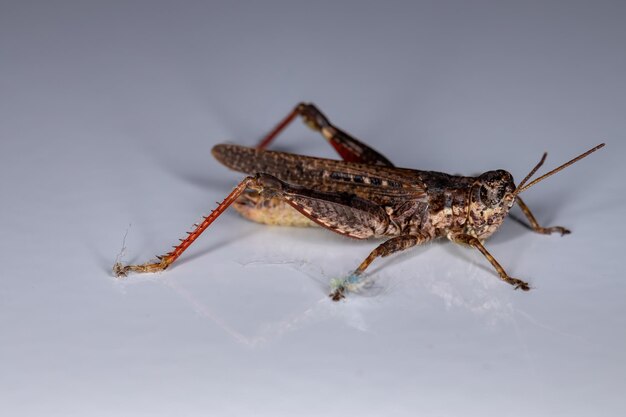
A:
(364, 196)
(324, 174)
(432, 203)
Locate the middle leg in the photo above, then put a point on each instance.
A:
(393, 245)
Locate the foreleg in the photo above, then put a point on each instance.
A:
(534, 225)
(475, 243)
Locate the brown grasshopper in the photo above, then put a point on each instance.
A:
(364, 196)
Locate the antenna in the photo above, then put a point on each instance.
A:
(521, 187)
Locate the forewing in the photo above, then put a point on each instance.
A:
(380, 184)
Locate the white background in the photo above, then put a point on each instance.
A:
(108, 112)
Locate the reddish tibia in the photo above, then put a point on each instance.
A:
(167, 259)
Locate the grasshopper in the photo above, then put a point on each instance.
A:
(364, 196)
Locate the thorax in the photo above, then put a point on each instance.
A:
(444, 210)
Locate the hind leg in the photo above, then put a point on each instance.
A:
(349, 148)
(277, 212)
(339, 212)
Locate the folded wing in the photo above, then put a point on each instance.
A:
(380, 184)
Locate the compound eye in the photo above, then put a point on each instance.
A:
(492, 195)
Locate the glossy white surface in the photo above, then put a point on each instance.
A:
(108, 113)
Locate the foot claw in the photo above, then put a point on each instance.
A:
(556, 229)
(119, 270)
(352, 283)
(338, 294)
(519, 284)
(563, 230)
